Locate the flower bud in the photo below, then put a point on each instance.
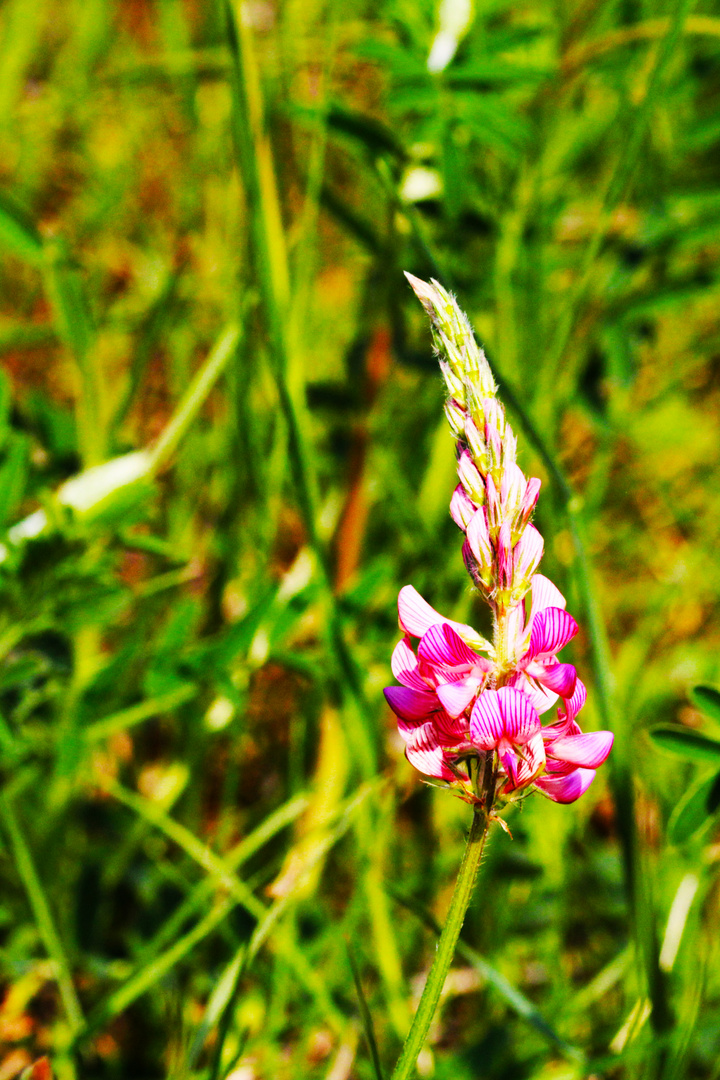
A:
(470, 478)
(462, 507)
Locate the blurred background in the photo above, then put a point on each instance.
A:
(215, 860)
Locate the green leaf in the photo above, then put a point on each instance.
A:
(707, 700)
(694, 809)
(685, 743)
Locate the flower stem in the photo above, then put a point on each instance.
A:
(464, 886)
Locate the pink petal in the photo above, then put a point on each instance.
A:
(404, 666)
(503, 714)
(529, 500)
(478, 537)
(566, 789)
(504, 554)
(462, 507)
(441, 646)
(540, 698)
(415, 614)
(552, 628)
(410, 704)
(545, 594)
(424, 753)
(560, 678)
(456, 696)
(512, 488)
(588, 750)
(521, 719)
(527, 553)
(487, 721)
(470, 478)
(574, 704)
(493, 502)
(529, 764)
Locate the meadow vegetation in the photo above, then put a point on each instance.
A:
(215, 861)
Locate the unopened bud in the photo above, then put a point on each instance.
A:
(470, 478)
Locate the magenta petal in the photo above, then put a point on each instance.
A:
(404, 666)
(487, 722)
(410, 704)
(539, 697)
(560, 678)
(456, 696)
(552, 628)
(521, 719)
(566, 789)
(588, 750)
(575, 703)
(442, 647)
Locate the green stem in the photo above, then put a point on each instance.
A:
(446, 947)
(43, 916)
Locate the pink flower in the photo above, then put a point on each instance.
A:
(437, 686)
(454, 704)
(504, 720)
(537, 640)
(572, 757)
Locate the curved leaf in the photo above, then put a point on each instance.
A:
(707, 699)
(685, 743)
(694, 809)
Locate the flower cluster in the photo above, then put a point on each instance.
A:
(469, 710)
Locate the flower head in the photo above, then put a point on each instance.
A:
(468, 709)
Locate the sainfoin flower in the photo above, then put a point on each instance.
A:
(469, 709)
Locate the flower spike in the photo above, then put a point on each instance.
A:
(462, 698)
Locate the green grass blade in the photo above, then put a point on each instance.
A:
(365, 1015)
(43, 916)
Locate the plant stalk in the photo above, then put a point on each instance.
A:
(464, 886)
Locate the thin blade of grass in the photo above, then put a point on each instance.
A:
(365, 1015)
(40, 905)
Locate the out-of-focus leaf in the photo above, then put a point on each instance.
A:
(707, 699)
(694, 809)
(17, 231)
(685, 743)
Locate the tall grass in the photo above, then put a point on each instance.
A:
(215, 860)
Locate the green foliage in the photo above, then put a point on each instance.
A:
(205, 212)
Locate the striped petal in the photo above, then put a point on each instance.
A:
(424, 752)
(462, 507)
(545, 594)
(527, 553)
(566, 789)
(527, 765)
(404, 666)
(410, 704)
(503, 714)
(415, 614)
(539, 697)
(552, 628)
(588, 750)
(442, 647)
